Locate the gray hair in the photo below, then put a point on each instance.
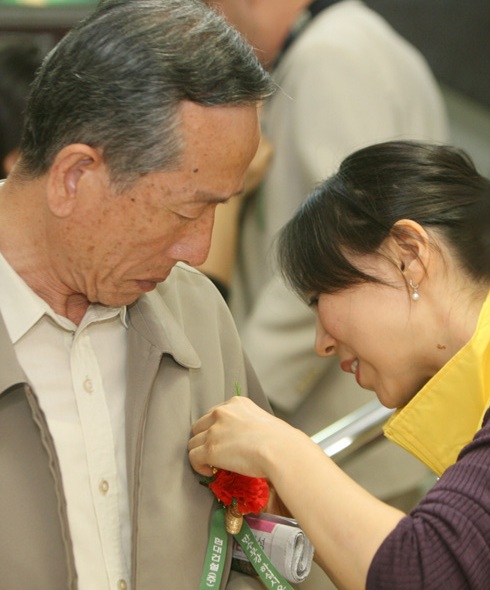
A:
(116, 82)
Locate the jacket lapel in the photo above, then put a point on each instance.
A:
(153, 332)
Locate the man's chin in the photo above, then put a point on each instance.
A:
(134, 290)
(119, 299)
(146, 286)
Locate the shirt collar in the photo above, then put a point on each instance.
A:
(447, 412)
(22, 308)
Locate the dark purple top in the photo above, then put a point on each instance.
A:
(444, 543)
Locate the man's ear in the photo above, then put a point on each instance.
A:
(73, 167)
(410, 249)
(10, 159)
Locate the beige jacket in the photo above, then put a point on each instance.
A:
(185, 356)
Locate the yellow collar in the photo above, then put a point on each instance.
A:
(446, 413)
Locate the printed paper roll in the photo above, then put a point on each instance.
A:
(284, 543)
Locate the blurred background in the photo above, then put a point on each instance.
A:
(453, 35)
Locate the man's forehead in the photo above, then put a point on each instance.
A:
(185, 195)
(223, 118)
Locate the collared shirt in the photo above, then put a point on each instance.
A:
(78, 374)
(448, 411)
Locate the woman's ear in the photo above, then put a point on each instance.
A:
(72, 166)
(410, 249)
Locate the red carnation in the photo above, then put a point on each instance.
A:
(250, 494)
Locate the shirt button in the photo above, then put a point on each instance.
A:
(104, 487)
(122, 585)
(88, 385)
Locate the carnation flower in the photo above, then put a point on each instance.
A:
(248, 494)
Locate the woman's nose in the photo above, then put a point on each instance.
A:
(324, 343)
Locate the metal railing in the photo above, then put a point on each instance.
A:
(354, 432)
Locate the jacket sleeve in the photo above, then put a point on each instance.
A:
(444, 542)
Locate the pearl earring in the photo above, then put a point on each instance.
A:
(415, 295)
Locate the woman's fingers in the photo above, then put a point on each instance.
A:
(207, 420)
(227, 437)
(198, 454)
(203, 423)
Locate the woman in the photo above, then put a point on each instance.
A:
(386, 256)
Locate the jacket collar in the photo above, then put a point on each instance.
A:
(154, 321)
(149, 316)
(446, 413)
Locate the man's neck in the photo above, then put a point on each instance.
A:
(23, 244)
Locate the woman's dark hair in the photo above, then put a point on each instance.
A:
(478, 226)
(353, 211)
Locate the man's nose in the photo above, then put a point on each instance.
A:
(193, 245)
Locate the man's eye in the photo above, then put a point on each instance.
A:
(186, 216)
(189, 213)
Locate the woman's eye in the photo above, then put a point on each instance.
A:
(313, 300)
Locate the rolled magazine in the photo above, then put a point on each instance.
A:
(284, 543)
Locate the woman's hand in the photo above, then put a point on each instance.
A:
(238, 436)
(345, 523)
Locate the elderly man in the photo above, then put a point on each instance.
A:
(140, 122)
